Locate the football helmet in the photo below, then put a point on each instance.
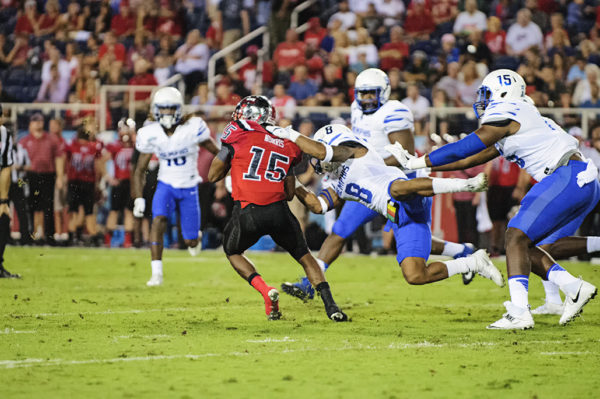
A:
(334, 134)
(368, 82)
(501, 84)
(255, 108)
(167, 106)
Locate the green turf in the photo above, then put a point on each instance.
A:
(82, 324)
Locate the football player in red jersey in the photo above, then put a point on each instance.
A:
(260, 166)
(121, 152)
(84, 164)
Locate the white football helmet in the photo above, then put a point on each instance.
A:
(167, 99)
(501, 84)
(371, 81)
(334, 134)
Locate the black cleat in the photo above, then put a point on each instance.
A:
(6, 274)
(468, 277)
(336, 314)
(294, 289)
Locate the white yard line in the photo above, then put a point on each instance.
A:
(10, 364)
(13, 331)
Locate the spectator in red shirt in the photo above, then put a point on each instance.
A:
(45, 170)
(112, 49)
(84, 164)
(141, 77)
(28, 22)
(73, 20)
(393, 53)
(315, 33)
(225, 95)
(19, 53)
(495, 36)
(141, 49)
(419, 22)
(290, 53)
(121, 153)
(285, 105)
(123, 24)
(49, 20)
(214, 35)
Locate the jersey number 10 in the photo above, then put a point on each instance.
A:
(275, 172)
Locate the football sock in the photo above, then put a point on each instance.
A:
(108, 237)
(518, 286)
(443, 185)
(593, 244)
(452, 248)
(552, 292)
(325, 292)
(156, 267)
(128, 239)
(456, 266)
(324, 266)
(563, 279)
(4, 233)
(259, 284)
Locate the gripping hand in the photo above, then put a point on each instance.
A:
(139, 206)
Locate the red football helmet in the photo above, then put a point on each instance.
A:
(255, 108)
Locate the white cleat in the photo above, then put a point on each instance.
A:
(515, 318)
(574, 303)
(485, 268)
(549, 308)
(195, 251)
(477, 183)
(155, 280)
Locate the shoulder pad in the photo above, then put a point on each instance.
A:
(502, 110)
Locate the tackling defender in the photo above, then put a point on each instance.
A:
(554, 208)
(358, 173)
(175, 140)
(379, 121)
(261, 186)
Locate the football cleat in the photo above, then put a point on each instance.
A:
(468, 250)
(155, 280)
(549, 308)
(477, 183)
(485, 268)
(515, 318)
(302, 290)
(574, 303)
(6, 274)
(195, 251)
(336, 314)
(272, 305)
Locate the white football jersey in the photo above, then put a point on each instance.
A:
(539, 144)
(374, 128)
(177, 153)
(366, 180)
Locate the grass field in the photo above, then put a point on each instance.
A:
(82, 324)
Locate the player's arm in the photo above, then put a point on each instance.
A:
(325, 201)
(5, 179)
(137, 183)
(478, 159)
(404, 137)
(211, 146)
(221, 163)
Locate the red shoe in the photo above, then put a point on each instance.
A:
(127, 243)
(107, 239)
(272, 305)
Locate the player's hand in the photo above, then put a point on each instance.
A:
(284, 133)
(402, 156)
(228, 184)
(588, 175)
(139, 206)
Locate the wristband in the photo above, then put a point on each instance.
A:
(328, 153)
(293, 134)
(324, 207)
(298, 184)
(416, 163)
(4, 201)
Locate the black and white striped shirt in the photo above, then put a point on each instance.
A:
(6, 155)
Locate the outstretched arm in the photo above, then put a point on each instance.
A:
(211, 146)
(478, 159)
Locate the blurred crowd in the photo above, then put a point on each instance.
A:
(435, 53)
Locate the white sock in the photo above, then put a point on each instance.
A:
(552, 292)
(452, 248)
(156, 267)
(442, 185)
(593, 244)
(456, 266)
(563, 279)
(324, 266)
(518, 287)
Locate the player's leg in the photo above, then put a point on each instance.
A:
(4, 235)
(285, 230)
(239, 234)
(73, 204)
(116, 205)
(454, 250)
(189, 209)
(128, 218)
(427, 187)
(163, 203)
(90, 216)
(353, 215)
(547, 209)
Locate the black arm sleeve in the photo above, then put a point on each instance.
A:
(226, 153)
(502, 123)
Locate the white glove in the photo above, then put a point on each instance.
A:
(588, 175)
(228, 184)
(139, 206)
(406, 159)
(284, 133)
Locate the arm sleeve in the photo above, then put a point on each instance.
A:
(143, 143)
(201, 129)
(226, 153)
(398, 119)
